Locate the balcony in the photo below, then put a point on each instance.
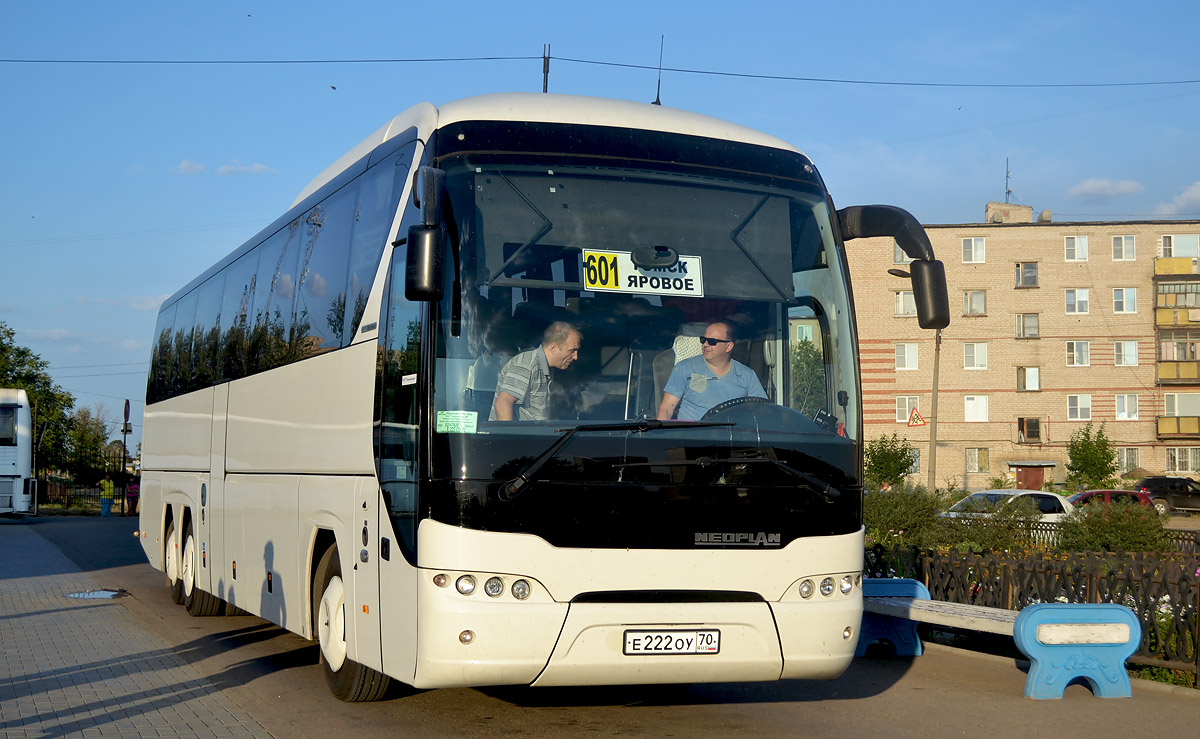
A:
(1179, 373)
(1178, 427)
(1176, 266)
(1168, 317)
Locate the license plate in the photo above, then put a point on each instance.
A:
(707, 641)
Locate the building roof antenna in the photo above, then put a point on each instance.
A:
(658, 92)
(1007, 189)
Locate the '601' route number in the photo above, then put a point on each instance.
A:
(601, 271)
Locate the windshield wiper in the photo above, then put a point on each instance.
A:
(823, 489)
(512, 488)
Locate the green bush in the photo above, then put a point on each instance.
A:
(1110, 528)
(1008, 527)
(906, 515)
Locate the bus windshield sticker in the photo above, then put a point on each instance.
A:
(614, 271)
(408, 380)
(457, 422)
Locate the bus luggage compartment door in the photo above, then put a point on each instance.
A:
(606, 644)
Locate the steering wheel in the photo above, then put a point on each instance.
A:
(732, 402)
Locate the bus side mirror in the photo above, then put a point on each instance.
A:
(929, 293)
(423, 264)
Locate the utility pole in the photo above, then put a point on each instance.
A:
(546, 68)
(933, 412)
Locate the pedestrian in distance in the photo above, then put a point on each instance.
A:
(106, 495)
(131, 497)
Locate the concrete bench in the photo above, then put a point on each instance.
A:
(1064, 642)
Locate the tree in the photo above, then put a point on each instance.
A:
(888, 459)
(808, 379)
(23, 369)
(86, 440)
(1091, 460)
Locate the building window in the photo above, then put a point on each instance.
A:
(977, 460)
(916, 465)
(1183, 459)
(1169, 404)
(1123, 248)
(906, 356)
(905, 305)
(1076, 248)
(974, 356)
(898, 255)
(1125, 353)
(1079, 407)
(1078, 354)
(1127, 407)
(1028, 379)
(1125, 300)
(975, 408)
(1179, 295)
(1029, 430)
(1181, 245)
(1027, 274)
(1178, 346)
(1027, 325)
(974, 250)
(1127, 458)
(905, 405)
(974, 302)
(1077, 300)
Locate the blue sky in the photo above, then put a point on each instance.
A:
(121, 182)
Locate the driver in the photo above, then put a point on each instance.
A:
(701, 382)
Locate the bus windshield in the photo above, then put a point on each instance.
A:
(640, 259)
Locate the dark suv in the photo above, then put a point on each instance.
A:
(1171, 493)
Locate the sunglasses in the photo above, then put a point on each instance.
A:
(713, 342)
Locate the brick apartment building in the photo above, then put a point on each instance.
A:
(1053, 325)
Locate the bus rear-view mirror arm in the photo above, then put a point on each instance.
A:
(928, 274)
(423, 261)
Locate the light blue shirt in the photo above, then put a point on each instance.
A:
(699, 388)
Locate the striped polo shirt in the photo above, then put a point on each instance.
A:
(526, 377)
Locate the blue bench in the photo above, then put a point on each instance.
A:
(1064, 642)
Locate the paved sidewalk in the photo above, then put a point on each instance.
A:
(71, 667)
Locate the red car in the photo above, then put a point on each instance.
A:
(1104, 497)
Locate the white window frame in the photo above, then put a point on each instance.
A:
(1183, 458)
(904, 299)
(967, 302)
(975, 355)
(1124, 248)
(1021, 326)
(976, 248)
(1079, 407)
(909, 403)
(975, 408)
(1127, 406)
(1074, 247)
(906, 357)
(1127, 458)
(978, 459)
(1124, 300)
(1023, 376)
(1123, 350)
(1079, 350)
(1170, 403)
(804, 332)
(898, 255)
(1077, 298)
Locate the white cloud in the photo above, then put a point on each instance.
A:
(1102, 189)
(130, 345)
(137, 302)
(187, 166)
(1185, 203)
(238, 168)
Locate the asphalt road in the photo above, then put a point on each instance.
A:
(274, 676)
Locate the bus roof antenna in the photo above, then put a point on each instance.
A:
(658, 92)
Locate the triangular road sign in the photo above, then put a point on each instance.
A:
(915, 419)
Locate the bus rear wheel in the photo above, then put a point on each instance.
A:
(348, 680)
(196, 601)
(171, 565)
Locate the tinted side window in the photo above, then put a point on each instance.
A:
(8, 425)
(206, 337)
(237, 301)
(181, 377)
(378, 197)
(324, 259)
(1123, 498)
(161, 357)
(272, 321)
(1046, 504)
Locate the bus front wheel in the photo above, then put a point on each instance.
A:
(348, 680)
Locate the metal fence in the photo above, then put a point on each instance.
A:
(1162, 589)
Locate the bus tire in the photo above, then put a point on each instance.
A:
(196, 601)
(347, 680)
(171, 565)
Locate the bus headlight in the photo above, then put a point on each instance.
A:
(465, 584)
(807, 588)
(827, 586)
(494, 586)
(520, 590)
(847, 584)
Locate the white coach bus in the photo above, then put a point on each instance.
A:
(16, 452)
(318, 450)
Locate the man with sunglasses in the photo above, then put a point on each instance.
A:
(698, 383)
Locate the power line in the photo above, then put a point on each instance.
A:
(101, 374)
(625, 65)
(89, 366)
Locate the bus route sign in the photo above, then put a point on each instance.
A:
(614, 271)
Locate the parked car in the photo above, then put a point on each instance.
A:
(1108, 497)
(1052, 506)
(1171, 493)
